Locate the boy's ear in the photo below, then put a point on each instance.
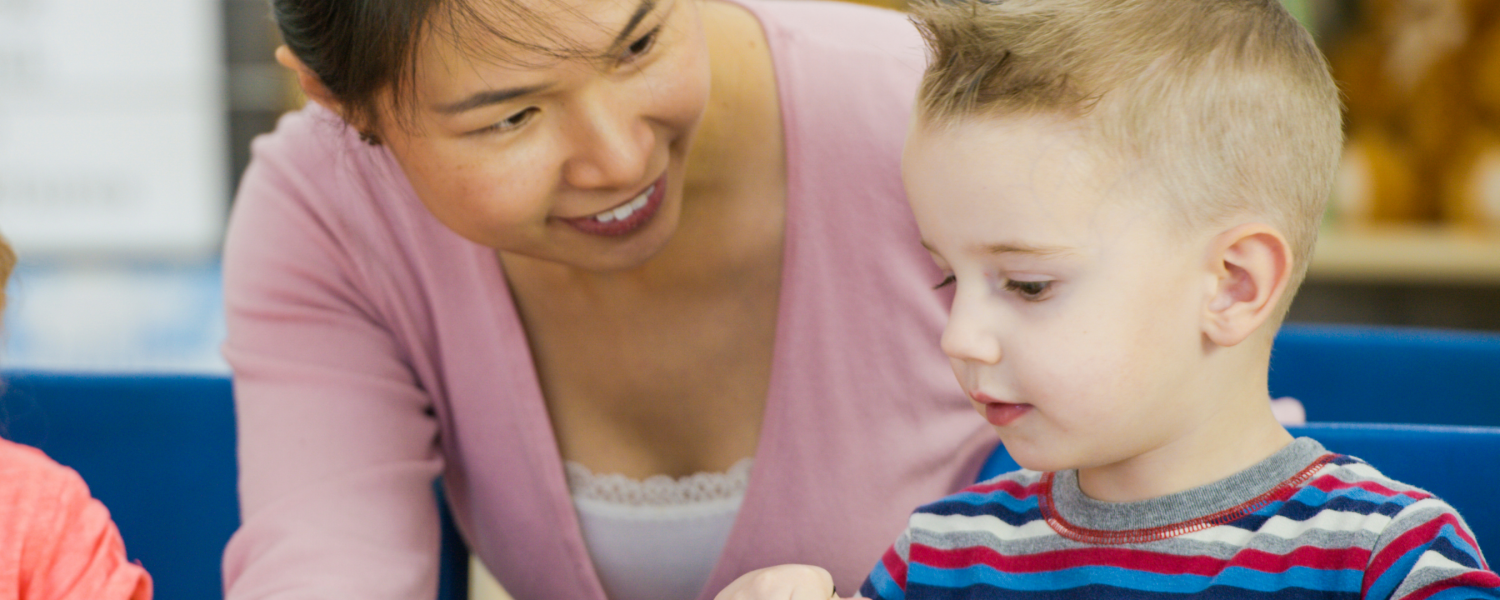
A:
(312, 85)
(1249, 268)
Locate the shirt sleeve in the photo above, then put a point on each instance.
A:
(72, 550)
(1427, 551)
(337, 441)
(887, 581)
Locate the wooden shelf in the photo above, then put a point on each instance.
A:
(1406, 254)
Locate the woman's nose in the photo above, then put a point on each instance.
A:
(969, 335)
(611, 146)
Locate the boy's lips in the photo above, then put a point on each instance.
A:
(1001, 414)
(627, 216)
(998, 412)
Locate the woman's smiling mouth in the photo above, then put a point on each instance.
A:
(626, 217)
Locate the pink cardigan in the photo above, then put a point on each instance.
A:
(373, 350)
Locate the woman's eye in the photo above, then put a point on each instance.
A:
(511, 122)
(947, 281)
(1028, 290)
(641, 45)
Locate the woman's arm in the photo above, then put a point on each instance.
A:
(337, 442)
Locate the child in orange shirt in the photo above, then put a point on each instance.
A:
(56, 541)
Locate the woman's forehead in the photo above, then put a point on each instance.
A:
(533, 33)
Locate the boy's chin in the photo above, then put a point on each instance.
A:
(1033, 458)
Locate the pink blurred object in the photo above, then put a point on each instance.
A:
(1288, 411)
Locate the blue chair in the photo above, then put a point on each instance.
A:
(999, 463)
(1456, 463)
(159, 452)
(1366, 374)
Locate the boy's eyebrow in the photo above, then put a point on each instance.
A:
(1012, 248)
(1020, 248)
(489, 97)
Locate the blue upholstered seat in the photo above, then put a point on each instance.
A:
(159, 452)
(1367, 374)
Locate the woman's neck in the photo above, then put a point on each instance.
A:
(740, 136)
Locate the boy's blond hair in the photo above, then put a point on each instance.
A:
(7, 263)
(1226, 105)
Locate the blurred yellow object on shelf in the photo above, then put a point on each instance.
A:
(1376, 182)
(1471, 184)
(1422, 82)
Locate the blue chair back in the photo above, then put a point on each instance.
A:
(1366, 374)
(453, 567)
(159, 452)
(999, 463)
(1456, 463)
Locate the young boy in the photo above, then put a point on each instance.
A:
(1126, 194)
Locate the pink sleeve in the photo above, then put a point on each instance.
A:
(337, 443)
(59, 540)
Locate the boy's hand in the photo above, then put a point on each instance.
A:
(783, 582)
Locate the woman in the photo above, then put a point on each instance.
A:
(584, 259)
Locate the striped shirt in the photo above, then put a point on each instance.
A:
(1304, 523)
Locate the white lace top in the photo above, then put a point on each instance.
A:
(656, 539)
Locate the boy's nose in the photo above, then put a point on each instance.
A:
(968, 336)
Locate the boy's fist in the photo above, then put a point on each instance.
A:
(783, 582)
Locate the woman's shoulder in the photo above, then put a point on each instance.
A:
(838, 24)
(315, 186)
(314, 147)
(305, 160)
(846, 71)
(311, 127)
(840, 42)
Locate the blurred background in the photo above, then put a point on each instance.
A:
(124, 128)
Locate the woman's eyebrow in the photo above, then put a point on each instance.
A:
(486, 98)
(639, 15)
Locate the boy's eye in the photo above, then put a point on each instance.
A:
(947, 281)
(641, 45)
(511, 122)
(1028, 290)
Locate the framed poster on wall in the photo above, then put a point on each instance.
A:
(112, 128)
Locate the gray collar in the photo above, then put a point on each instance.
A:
(1072, 505)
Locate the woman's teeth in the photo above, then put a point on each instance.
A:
(628, 209)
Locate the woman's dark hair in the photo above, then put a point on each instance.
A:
(359, 47)
(356, 47)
